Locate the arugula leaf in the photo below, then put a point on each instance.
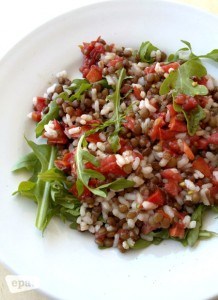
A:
(26, 189)
(83, 174)
(80, 91)
(52, 175)
(115, 97)
(52, 114)
(193, 234)
(187, 54)
(141, 244)
(118, 184)
(46, 155)
(205, 234)
(193, 119)
(211, 55)
(27, 162)
(145, 51)
(179, 80)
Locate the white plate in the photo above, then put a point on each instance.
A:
(67, 263)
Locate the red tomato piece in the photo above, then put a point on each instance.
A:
(172, 187)
(173, 65)
(176, 125)
(149, 70)
(166, 134)
(113, 62)
(109, 165)
(201, 165)
(202, 143)
(124, 146)
(36, 116)
(86, 193)
(177, 230)
(157, 198)
(65, 162)
(61, 138)
(94, 74)
(39, 103)
(137, 93)
(171, 174)
(172, 111)
(93, 138)
(130, 123)
(213, 139)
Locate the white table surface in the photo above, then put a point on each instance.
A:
(19, 18)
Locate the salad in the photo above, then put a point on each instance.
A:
(129, 151)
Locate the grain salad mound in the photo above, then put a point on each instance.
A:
(131, 153)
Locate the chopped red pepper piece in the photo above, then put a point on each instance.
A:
(172, 187)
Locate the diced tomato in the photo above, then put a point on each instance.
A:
(188, 151)
(93, 138)
(213, 191)
(94, 74)
(92, 53)
(124, 146)
(109, 165)
(130, 123)
(36, 116)
(154, 132)
(113, 62)
(86, 193)
(172, 187)
(202, 80)
(177, 230)
(180, 99)
(78, 112)
(203, 100)
(149, 70)
(171, 174)
(176, 125)
(173, 65)
(166, 134)
(172, 111)
(201, 165)
(61, 138)
(157, 198)
(202, 143)
(137, 93)
(65, 162)
(213, 139)
(40, 103)
(187, 102)
(174, 147)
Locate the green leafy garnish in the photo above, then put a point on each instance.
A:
(145, 51)
(186, 53)
(193, 234)
(116, 118)
(193, 117)
(83, 174)
(78, 87)
(52, 114)
(179, 81)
